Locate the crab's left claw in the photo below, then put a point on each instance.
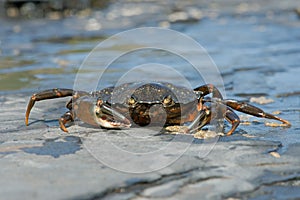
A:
(99, 114)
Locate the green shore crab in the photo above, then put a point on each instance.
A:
(150, 103)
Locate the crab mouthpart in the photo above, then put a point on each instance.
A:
(107, 117)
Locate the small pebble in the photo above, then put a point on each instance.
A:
(276, 112)
(261, 100)
(273, 124)
(201, 134)
(176, 129)
(246, 123)
(204, 134)
(248, 136)
(275, 154)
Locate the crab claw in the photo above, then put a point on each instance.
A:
(107, 117)
(99, 114)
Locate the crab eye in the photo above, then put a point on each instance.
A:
(131, 101)
(168, 101)
(99, 102)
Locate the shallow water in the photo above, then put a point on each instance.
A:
(43, 53)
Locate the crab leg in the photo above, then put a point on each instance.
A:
(47, 94)
(233, 118)
(205, 115)
(66, 118)
(252, 110)
(209, 89)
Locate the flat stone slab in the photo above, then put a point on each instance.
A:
(42, 162)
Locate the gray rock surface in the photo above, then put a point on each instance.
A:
(42, 162)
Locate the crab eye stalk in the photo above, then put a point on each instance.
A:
(131, 101)
(168, 101)
(99, 102)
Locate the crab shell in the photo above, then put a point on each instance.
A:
(139, 104)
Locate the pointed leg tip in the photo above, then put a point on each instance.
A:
(64, 129)
(62, 126)
(229, 133)
(287, 123)
(26, 121)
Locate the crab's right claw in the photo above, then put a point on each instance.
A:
(107, 117)
(99, 114)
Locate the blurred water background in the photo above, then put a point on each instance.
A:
(43, 43)
(255, 45)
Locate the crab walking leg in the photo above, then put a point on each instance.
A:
(47, 94)
(209, 89)
(233, 118)
(252, 110)
(63, 120)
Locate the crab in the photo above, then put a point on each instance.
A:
(141, 104)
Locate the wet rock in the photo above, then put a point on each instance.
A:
(164, 190)
(38, 160)
(243, 79)
(51, 9)
(185, 16)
